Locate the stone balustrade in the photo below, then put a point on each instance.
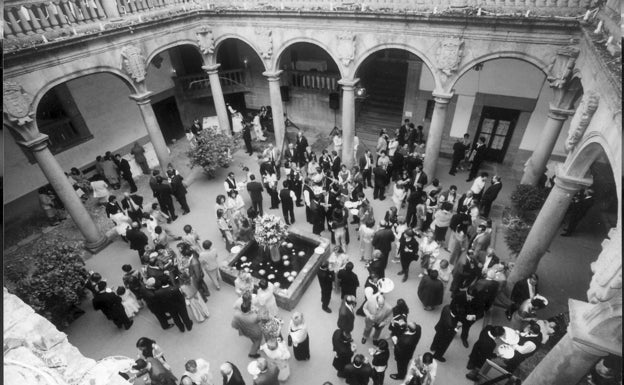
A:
(313, 80)
(198, 85)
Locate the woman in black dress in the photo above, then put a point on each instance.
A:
(298, 337)
(380, 362)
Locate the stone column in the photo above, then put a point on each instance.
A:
(348, 119)
(94, 239)
(546, 226)
(217, 97)
(110, 8)
(434, 140)
(153, 129)
(277, 108)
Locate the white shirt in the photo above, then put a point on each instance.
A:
(478, 185)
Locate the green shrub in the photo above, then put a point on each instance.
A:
(528, 198)
(53, 283)
(516, 234)
(214, 149)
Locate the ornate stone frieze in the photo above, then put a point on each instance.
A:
(561, 67)
(16, 103)
(449, 55)
(205, 39)
(264, 37)
(346, 47)
(581, 119)
(133, 62)
(606, 282)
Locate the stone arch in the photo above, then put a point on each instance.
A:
(578, 163)
(290, 42)
(117, 72)
(169, 45)
(222, 38)
(540, 64)
(405, 47)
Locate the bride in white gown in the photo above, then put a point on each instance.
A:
(237, 119)
(258, 128)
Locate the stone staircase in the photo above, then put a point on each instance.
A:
(383, 107)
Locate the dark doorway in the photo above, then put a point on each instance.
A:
(497, 125)
(168, 118)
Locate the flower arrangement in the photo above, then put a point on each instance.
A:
(270, 230)
(214, 149)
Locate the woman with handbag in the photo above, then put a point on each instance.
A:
(298, 337)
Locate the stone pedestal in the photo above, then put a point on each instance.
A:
(348, 120)
(217, 97)
(277, 108)
(434, 140)
(536, 165)
(546, 227)
(153, 129)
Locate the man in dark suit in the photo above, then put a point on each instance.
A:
(581, 203)
(255, 190)
(290, 154)
(326, 279)
(268, 373)
(483, 349)
(420, 178)
(137, 239)
(148, 295)
(402, 134)
(459, 152)
(381, 180)
(341, 343)
(465, 273)
(358, 372)
(486, 289)
(404, 347)
(348, 280)
(231, 375)
(408, 252)
(346, 314)
(382, 240)
(247, 139)
(179, 190)
(489, 196)
(522, 290)
(445, 331)
(397, 160)
(470, 309)
(301, 146)
(480, 242)
(288, 199)
(110, 304)
(175, 304)
(133, 204)
(336, 164)
(126, 172)
(479, 156)
(164, 195)
(366, 166)
(112, 206)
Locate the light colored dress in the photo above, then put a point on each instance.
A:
(130, 304)
(100, 190)
(198, 307)
(258, 129)
(266, 301)
(279, 356)
(366, 242)
(338, 144)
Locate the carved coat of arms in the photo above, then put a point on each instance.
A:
(265, 43)
(449, 55)
(16, 103)
(205, 40)
(561, 67)
(346, 47)
(133, 62)
(581, 119)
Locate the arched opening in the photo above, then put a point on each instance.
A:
(396, 89)
(310, 89)
(244, 86)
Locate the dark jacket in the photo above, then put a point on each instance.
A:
(110, 304)
(346, 318)
(358, 376)
(406, 345)
(483, 349)
(491, 193)
(137, 199)
(137, 239)
(255, 190)
(236, 378)
(520, 291)
(124, 168)
(349, 282)
(325, 278)
(177, 187)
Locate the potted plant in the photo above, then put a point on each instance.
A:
(214, 149)
(526, 202)
(270, 232)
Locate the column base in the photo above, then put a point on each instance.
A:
(97, 246)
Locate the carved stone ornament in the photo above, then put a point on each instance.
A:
(346, 47)
(581, 119)
(264, 37)
(16, 103)
(606, 282)
(449, 55)
(205, 39)
(133, 62)
(561, 67)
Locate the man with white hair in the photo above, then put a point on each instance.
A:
(231, 374)
(378, 314)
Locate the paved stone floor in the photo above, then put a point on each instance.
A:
(564, 274)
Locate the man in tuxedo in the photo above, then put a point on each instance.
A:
(179, 190)
(522, 290)
(174, 303)
(459, 152)
(581, 203)
(381, 180)
(326, 279)
(230, 183)
(420, 178)
(112, 206)
(358, 372)
(348, 280)
(480, 151)
(255, 190)
(295, 183)
(445, 331)
(268, 373)
(483, 349)
(137, 239)
(288, 199)
(110, 304)
(126, 172)
(402, 134)
(336, 164)
(366, 166)
(341, 343)
(231, 375)
(164, 195)
(490, 194)
(404, 347)
(346, 314)
(382, 240)
(291, 154)
(469, 309)
(301, 146)
(133, 205)
(247, 139)
(464, 274)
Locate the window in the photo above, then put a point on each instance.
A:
(429, 109)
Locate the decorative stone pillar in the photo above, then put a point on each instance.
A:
(567, 89)
(217, 97)
(546, 226)
(434, 139)
(133, 63)
(348, 120)
(277, 108)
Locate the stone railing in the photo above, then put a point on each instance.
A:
(198, 85)
(313, 80)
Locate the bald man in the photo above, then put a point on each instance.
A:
(231, 374)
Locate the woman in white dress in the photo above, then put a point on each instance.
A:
(198, 307)
(278, 353)
(237, 119)
(366, 233)
(265, 298)
(128, 301)
(338, 143)
(258, 128)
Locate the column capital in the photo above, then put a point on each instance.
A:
(348, 84)
(273, 76)
(211, 68)
(37, 144)
(591, 327)
(442, 97)
(571, 184)
(559, 113)
(142, 98)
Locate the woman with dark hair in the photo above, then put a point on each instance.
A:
(265, 298)
(430, 207)
(380, 361)
(366, 233)
(148, 348)
(398, 325)
(431, 290)
(527, 311)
